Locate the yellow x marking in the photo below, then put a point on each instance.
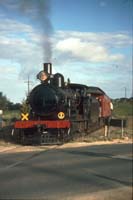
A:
(24, 116)
(61, 115)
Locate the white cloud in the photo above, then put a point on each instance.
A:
(73, 53)
(87, 51)
(24, 44)
(115, 38)
(7, 70)
(91, 47)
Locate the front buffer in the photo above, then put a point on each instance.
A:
(42, 131)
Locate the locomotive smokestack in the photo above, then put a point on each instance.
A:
(47, 68)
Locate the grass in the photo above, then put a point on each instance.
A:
(8, 116)
(123, 109)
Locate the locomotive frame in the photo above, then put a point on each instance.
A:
(59, 111)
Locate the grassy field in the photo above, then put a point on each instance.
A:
(10, 116)
(123, 109)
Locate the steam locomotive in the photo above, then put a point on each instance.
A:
(59, 110)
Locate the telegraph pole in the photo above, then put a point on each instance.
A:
(125, 92)
(28, 84)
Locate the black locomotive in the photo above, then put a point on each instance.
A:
(58, 110)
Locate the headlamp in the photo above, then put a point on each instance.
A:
(42, 76)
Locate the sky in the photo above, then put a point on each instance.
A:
(88, 41)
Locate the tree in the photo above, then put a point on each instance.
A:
(3, 102)
(6, 104)
(25, 107)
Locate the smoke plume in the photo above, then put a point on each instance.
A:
(39, 11)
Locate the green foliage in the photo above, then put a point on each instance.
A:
(12, 106)
(25, 107)
(9, 115)
(12, 115)
(123, 108)
(3, 102)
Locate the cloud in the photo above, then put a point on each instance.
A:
(24, 45)
(36, 12)
(91, 47)
(115, 38)
(20, 43)
(87, 51)
(85, 57)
